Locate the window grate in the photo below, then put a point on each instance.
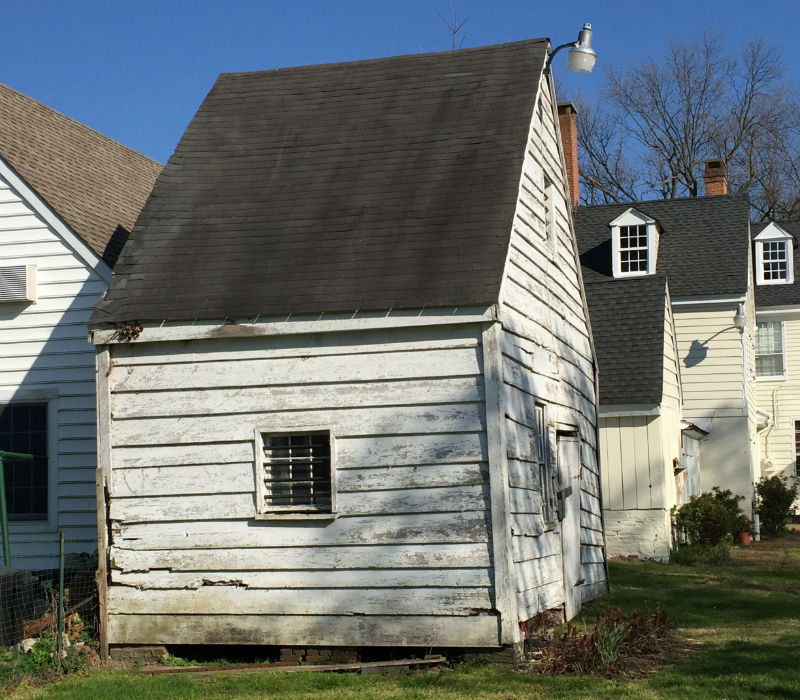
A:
(297, 471)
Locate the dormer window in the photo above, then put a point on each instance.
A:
(774, 256)
(634, 244)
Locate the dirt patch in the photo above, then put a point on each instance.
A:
(774, 551)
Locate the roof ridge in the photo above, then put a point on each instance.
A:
(378, 59)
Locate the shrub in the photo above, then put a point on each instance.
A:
(711, 517)
(617, 640)
(701, 554)
(775, 497)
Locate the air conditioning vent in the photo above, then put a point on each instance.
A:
(18, 283)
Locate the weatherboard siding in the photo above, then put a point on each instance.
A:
(547, 359)
(44, 351)
(407, 560)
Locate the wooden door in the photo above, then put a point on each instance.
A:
(568, 448)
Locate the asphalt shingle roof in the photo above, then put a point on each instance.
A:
(96, 185)
(702, 249)
(388, 183)
(628, 328)
(780, 294)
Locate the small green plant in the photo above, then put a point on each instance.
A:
(178, 661)
(691, 554)
(711, 517)
(43, 655)
(775, 497)
(617, 640)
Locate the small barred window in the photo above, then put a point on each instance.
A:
(296, 472)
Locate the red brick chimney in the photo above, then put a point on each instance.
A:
(568, 123)
(716, 177)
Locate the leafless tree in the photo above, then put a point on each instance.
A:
(454, 27)
(659, 120)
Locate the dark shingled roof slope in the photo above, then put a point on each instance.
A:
(780, 294)
(628, 328)
(96, 185)
(378, 184)
(702, 247)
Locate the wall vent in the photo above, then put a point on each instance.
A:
(18, 283)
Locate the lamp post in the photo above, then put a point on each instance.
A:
(581, 54)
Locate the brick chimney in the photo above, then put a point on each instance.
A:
(716, 177)
(568, 124)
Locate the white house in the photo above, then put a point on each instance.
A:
(777, 292)
(346, 378)
(68, 196)
(701, 245)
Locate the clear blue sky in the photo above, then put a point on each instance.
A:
(137, 70)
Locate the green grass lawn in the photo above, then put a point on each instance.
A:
(744, 618)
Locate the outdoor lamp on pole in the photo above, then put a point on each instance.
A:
(739, 318)
(581, 54)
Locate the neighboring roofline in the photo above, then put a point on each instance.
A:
(81, 248)
(689, 301)
(786, 309)
(689, 427)
(105, 334)
(622, 410)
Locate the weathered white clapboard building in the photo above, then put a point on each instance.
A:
(346, 378)
(68, 196)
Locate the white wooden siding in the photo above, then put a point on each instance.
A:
(410, 550)
(547, 358)
(44, 348)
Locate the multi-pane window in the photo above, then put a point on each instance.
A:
(544, 458)
(774, 260)
(797, 448)
(633, 249)
(769, 349)
(296, 472)
(23, 428)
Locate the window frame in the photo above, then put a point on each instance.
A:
(773, 234)
(770, 377)
(632, 217)
(292, 512)
(50, 396)
(796, 435)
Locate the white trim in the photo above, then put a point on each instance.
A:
(785, 312)
(771, 377)
(620, 410)
(289, 325)
(773, 233)
(78, 245)
(708, 300)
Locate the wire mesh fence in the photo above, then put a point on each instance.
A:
(35, 605)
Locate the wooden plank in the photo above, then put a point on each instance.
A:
(529, 548)
(523, 475)
(499, 490)
(310, 370)
(628, 461)
(221, 506)
(591, 555)
(300, 397)
(239, 478)
(527, 524)
(342, 578)
(355, 453)
(593, 591)
(283, 346)
(591, 521)
(524, 501)
(102, 483)
(641, 450)
(657, 453)
(412, 528)
(592, 537)
(235, 600)
(590, 482)
(306, 630)
(350, 422)
(456, 556)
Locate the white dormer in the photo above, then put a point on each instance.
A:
(774, 256)
(634, 244)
